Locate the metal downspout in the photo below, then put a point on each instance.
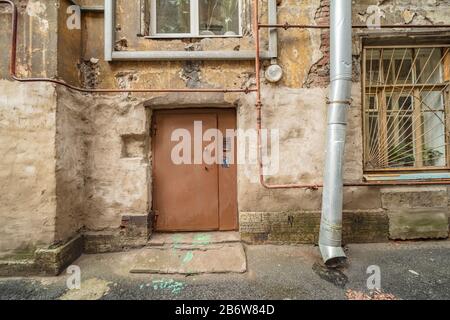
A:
(330, 240)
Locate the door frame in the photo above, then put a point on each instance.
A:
(192, 110)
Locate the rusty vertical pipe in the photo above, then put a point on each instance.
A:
(258, 103)
(13, 48)
(257, 51)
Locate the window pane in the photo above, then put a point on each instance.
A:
(373, 137)
(429, 65)
(397, 66)
(371, 102)
(400, 132)
(432, 100)
(434, 139)
(433, 128)
(401, 145)
(388, 66)
(219, 17)
(403, 72)
(405, 103)
(372, 129)
(372, 67)
(173, 16)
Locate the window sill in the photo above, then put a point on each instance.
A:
(177, 36)
(407, 176)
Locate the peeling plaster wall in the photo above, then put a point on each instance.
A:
(27, 131)
(91, 154)
(38, 36)
(69, 46)
(71, 155)
(117, 166)
(27, 166)
(302, 124)
(296, 105)
(163, 74)
(42, 179)
(303, 54)
(406, 11)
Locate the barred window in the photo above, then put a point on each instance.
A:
(405, 102)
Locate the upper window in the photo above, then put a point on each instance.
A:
(405, 103)
(195, 18)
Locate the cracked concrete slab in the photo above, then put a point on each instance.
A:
(189, 259)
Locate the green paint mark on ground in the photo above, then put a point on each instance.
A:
(177, 240)
(202, 239)
(188, 257)
(170, 285)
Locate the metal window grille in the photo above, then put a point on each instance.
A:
(406, 100)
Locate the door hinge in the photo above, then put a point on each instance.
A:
(155, 214)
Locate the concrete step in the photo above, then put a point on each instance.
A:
(203, 259)
(192, 239)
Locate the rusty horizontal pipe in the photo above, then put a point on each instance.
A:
(438, 182)
(288, 25)
(13, 73)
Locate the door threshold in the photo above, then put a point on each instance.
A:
(160, 239)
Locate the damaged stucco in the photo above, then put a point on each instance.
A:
(27, 168)
(77, 163)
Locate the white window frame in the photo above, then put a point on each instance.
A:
(195, 23)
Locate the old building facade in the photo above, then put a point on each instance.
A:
(90, 172)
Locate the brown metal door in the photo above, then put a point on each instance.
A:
(186, 196)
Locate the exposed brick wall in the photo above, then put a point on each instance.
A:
(319, 74)
(303, 227)
(135, 231)
(405, 214)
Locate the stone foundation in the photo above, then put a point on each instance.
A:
(406, 213)
(54, 260)
(417, 213)
(418, 224)
(303, 227)
(134, 232)
(45, 262)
